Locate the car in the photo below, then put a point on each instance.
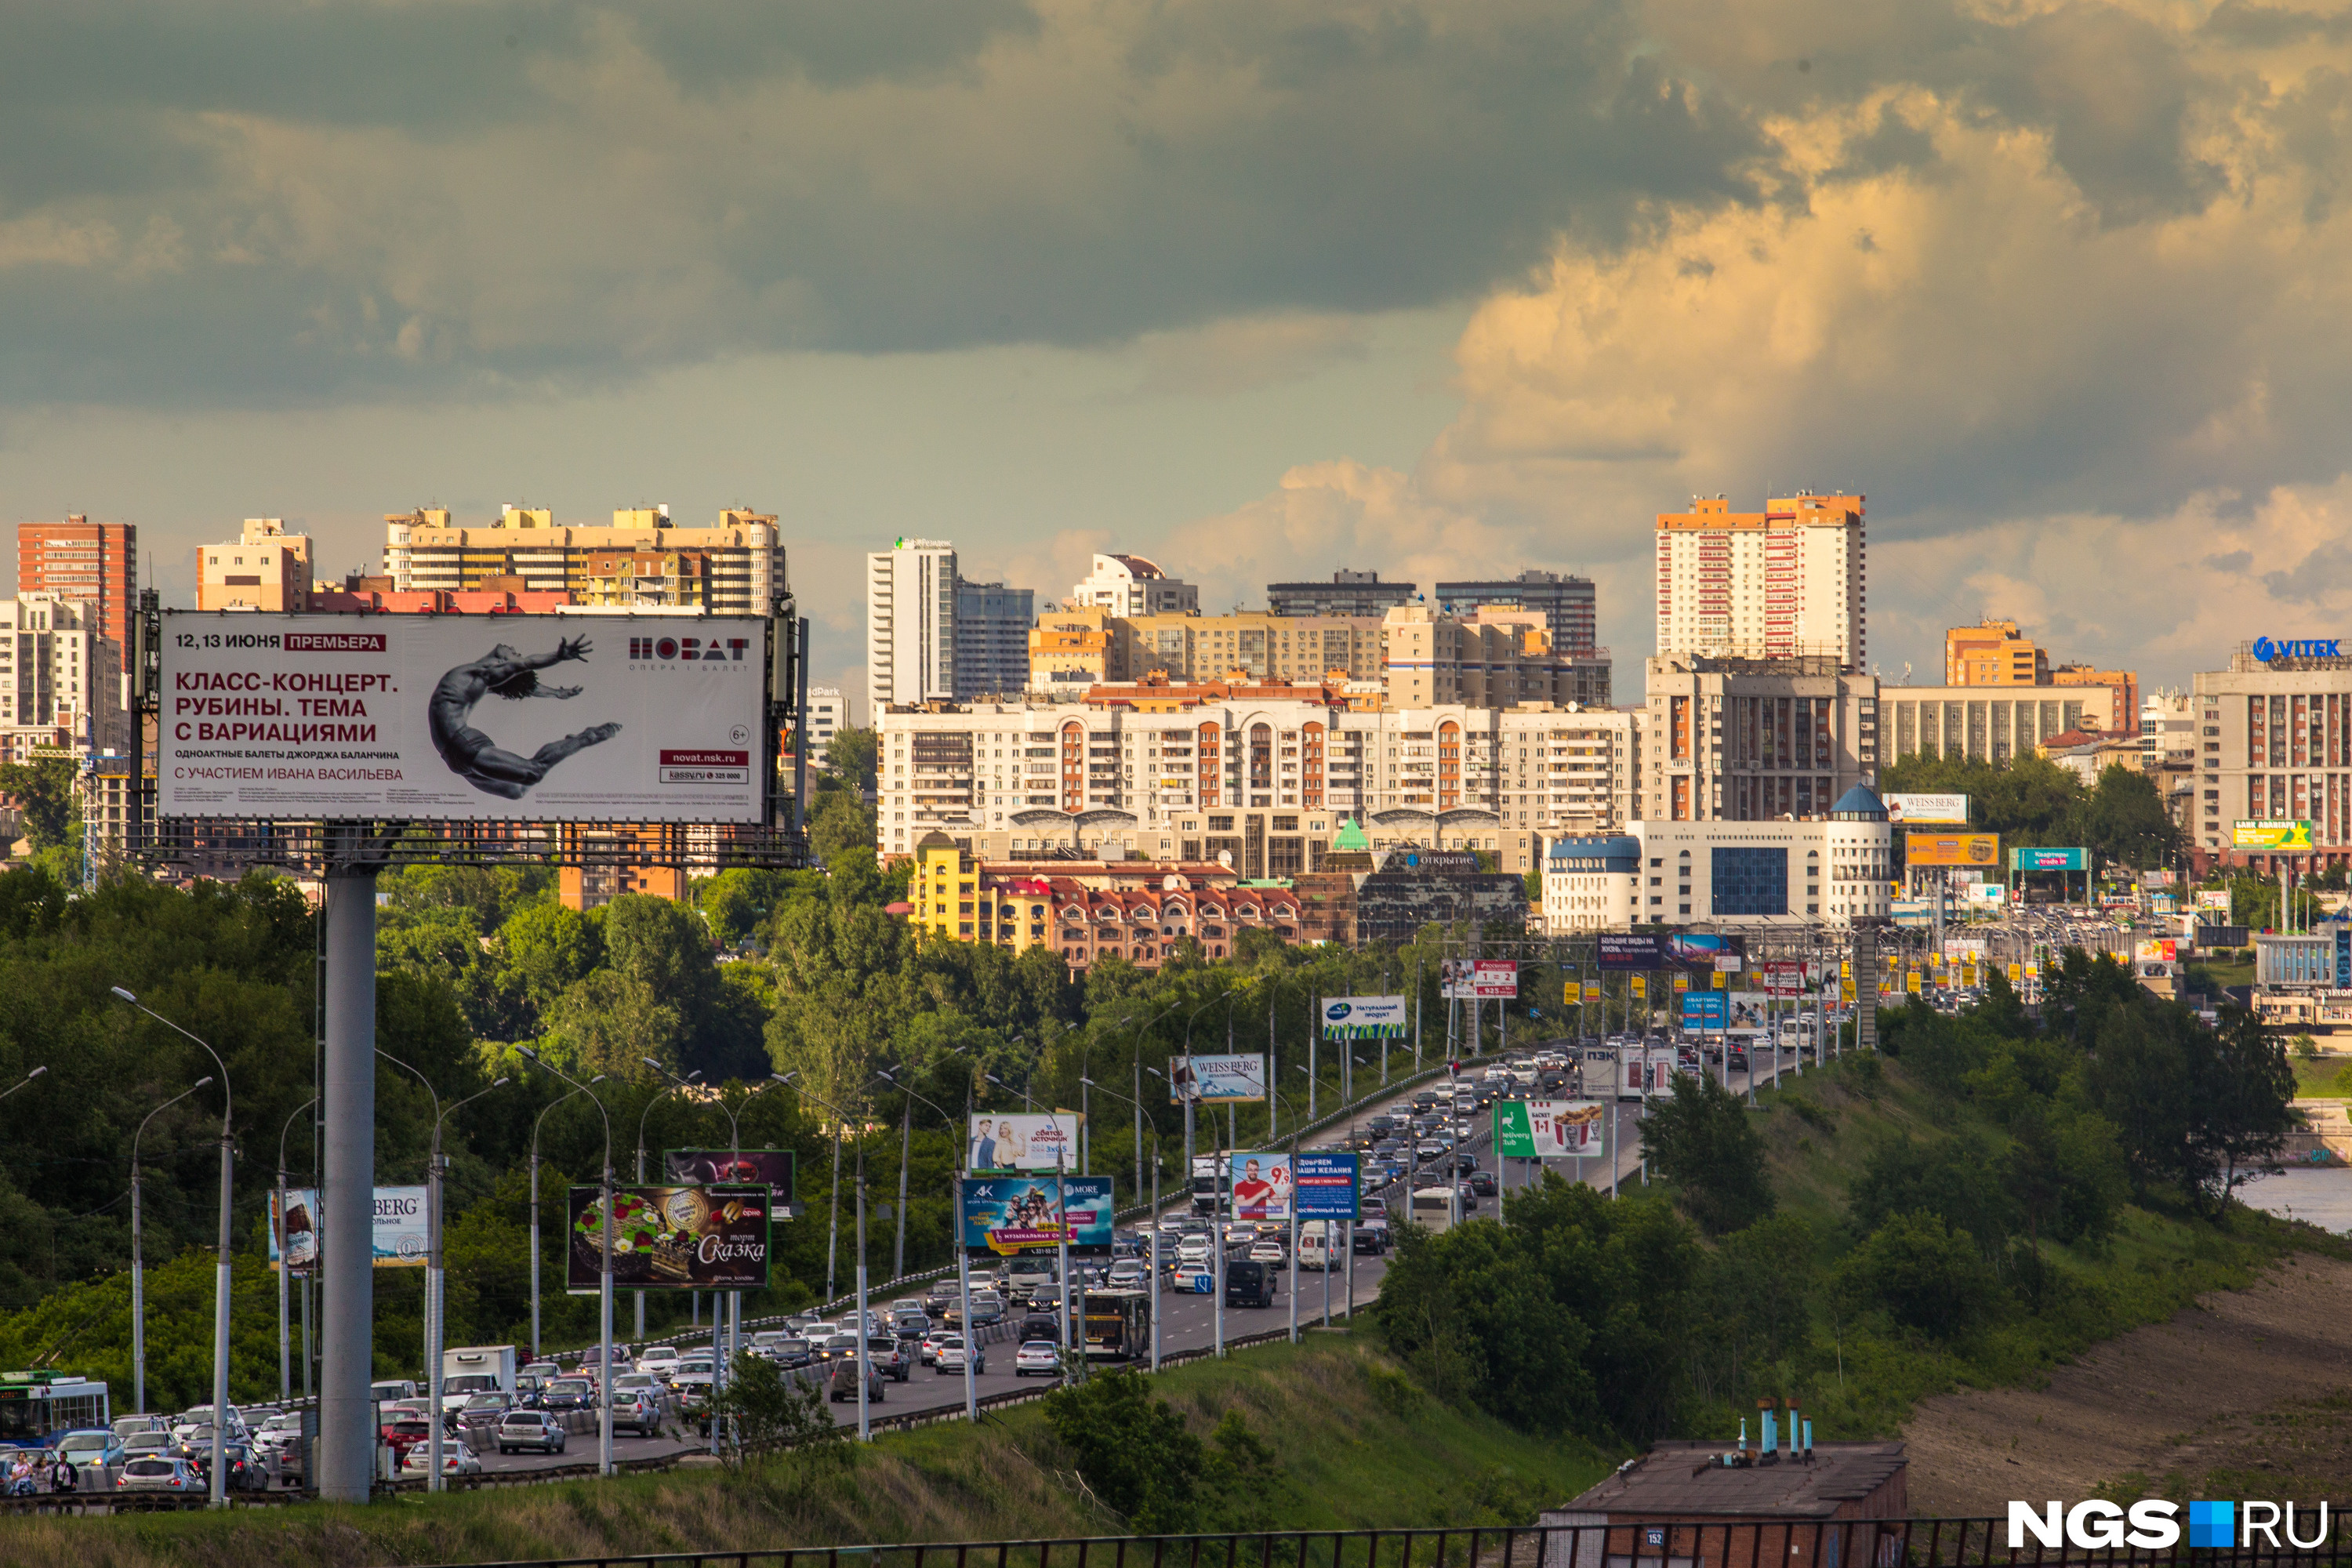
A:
(529, 1430)
(986, 1308)
(948, 1352)
(1129, 1273)
(910, 1325)
(793, 1352)
(841, 1382)
(391, 1389)
(457, 1459)
(156, 1473)
(124, 1425)
(543, 1370)
(142, 1444)
(639, 1410)
(405, 1433)
(202, 1415)
(1041, 1326)
(485, 1409)
(279, 1432)
(643, 1382)
(1482, 1184)
(1248, 1284)
(1271, 1254)
(890, 1358)
(568, 1393)
(1428, 1149)
(1192, 1249)
(1041, 1358)
(943, 1291)
(95, 1447)
(927, 1349)
(660, 1361)
(1192, 1279)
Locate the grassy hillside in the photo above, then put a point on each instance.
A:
(1358, 1443)
(1820, 1131)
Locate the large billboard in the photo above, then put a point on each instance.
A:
(670, 1238)
(1706, 1009)
(1478, 979)
(1913, 809)
(1551, 1129)
(401, 1238)
(1698, 953)
(2269, 833)
(1023, 1142)
(770, 1168)
(2213, 900)
(2050, 860)
(462, 718)
(1222, 1080)
(1952, 849)
(1364, 1017)
(1267, 1184)
(1007, 1215)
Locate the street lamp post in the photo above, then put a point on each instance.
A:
(955, 1235)
(721, 1360)
(286, 1269)
(21, 1082)
(534, 1207)
(673, 1088)
(865, 1359)
(219, 1479)
(604, 1285)
(138, 1270)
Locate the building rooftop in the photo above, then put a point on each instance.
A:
(1686, 1477)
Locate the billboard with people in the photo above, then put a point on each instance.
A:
(1028, 1141)
(514, 718)
(1478, 979)
(769, 1168)
(1270, 1184)
(1002, 1215)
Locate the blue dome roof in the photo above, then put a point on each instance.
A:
(1860, 804)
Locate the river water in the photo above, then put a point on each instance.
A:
(2322, 1196)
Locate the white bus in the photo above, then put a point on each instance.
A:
(1432, 1207)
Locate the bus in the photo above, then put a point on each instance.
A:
(37, 1408)
(1118, 1325)
(1434, 1207)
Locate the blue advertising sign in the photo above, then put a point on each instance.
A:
(1003, 1215)
(1706, 1009)
(2344, 958)
(2048, 860)
(1328, 1185)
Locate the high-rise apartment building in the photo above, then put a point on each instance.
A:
(828, 715)
(1564, 603)
(60, 680)
(90, 562)
(1131, 585)
(1348, 594)
(1786, 582)
(1746, 740)
(991, 638)
(734, 567)
(264, 568)
(1488, 658)
(910, 606)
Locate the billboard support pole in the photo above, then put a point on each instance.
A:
(346, 1448)
(963, 1318)
(800, 720)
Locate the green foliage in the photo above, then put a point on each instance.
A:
(2029, 800)
(783, 1420)
(1923, 1275)
(1701, 1140)
(850, 757)
(44, 796)
(1134, 1451)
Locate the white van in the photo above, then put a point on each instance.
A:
(1315, 1244)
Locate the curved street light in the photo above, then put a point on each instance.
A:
(604, 1286)
(219, 1478)
(672, 1089)
(138, 1270)
(541, 1117)
(20, 1083)
(286, 1275)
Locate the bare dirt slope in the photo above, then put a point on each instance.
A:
(2247, 1382)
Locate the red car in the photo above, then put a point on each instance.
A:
(403, 1434)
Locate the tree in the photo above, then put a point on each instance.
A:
(841, 822)
(1923, 1275)
(1702, 1142)
(781, 1412)
(1133, 1449)
(44, 796)
(851, 755)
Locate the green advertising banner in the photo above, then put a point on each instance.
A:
(1550, 1129)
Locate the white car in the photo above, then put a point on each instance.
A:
(457, 1459)
(947, 1355)
(694, 1373)
(531, 1429)
(660, 1361)
(1192, 1249)
(1043, 1357)
(1129, 1272)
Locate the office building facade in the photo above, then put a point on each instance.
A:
(1565, 603)
(1786, 582)
(910, 607)
(88, 563)
(992, 639)
(1992, 724)
(1360, 595)
(2273, 739)
(61, 686)
(1748, 739)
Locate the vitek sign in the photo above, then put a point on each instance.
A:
(2153, 1525)
(2265, 649)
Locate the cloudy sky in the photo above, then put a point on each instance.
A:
(1259, 288)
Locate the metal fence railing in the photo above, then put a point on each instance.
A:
(1591, 1543)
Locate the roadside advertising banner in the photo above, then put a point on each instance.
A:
(2016, 975)
(1641, 984)
(1330, 1185)
(1551, 1129)
(1478, 979)
(1234, 1079)
(1784, 977)
(1748, 1009)
(1365, 1017)
(2213, 898)
(1007, 1215)
(1952, 849)
(1008, 1142)
(2162, 950)
(769, 1168)
(2048, 860)
(1914, 809)
(1324, 1184)
(1261, 1184)
(462, 718)
(2270, 833)
(1592, 992)
(401, 1240)
(1693, 951)
(670, 1238)
(1704, 1009)
(1664, 1062)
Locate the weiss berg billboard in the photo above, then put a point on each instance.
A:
(497, 718)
